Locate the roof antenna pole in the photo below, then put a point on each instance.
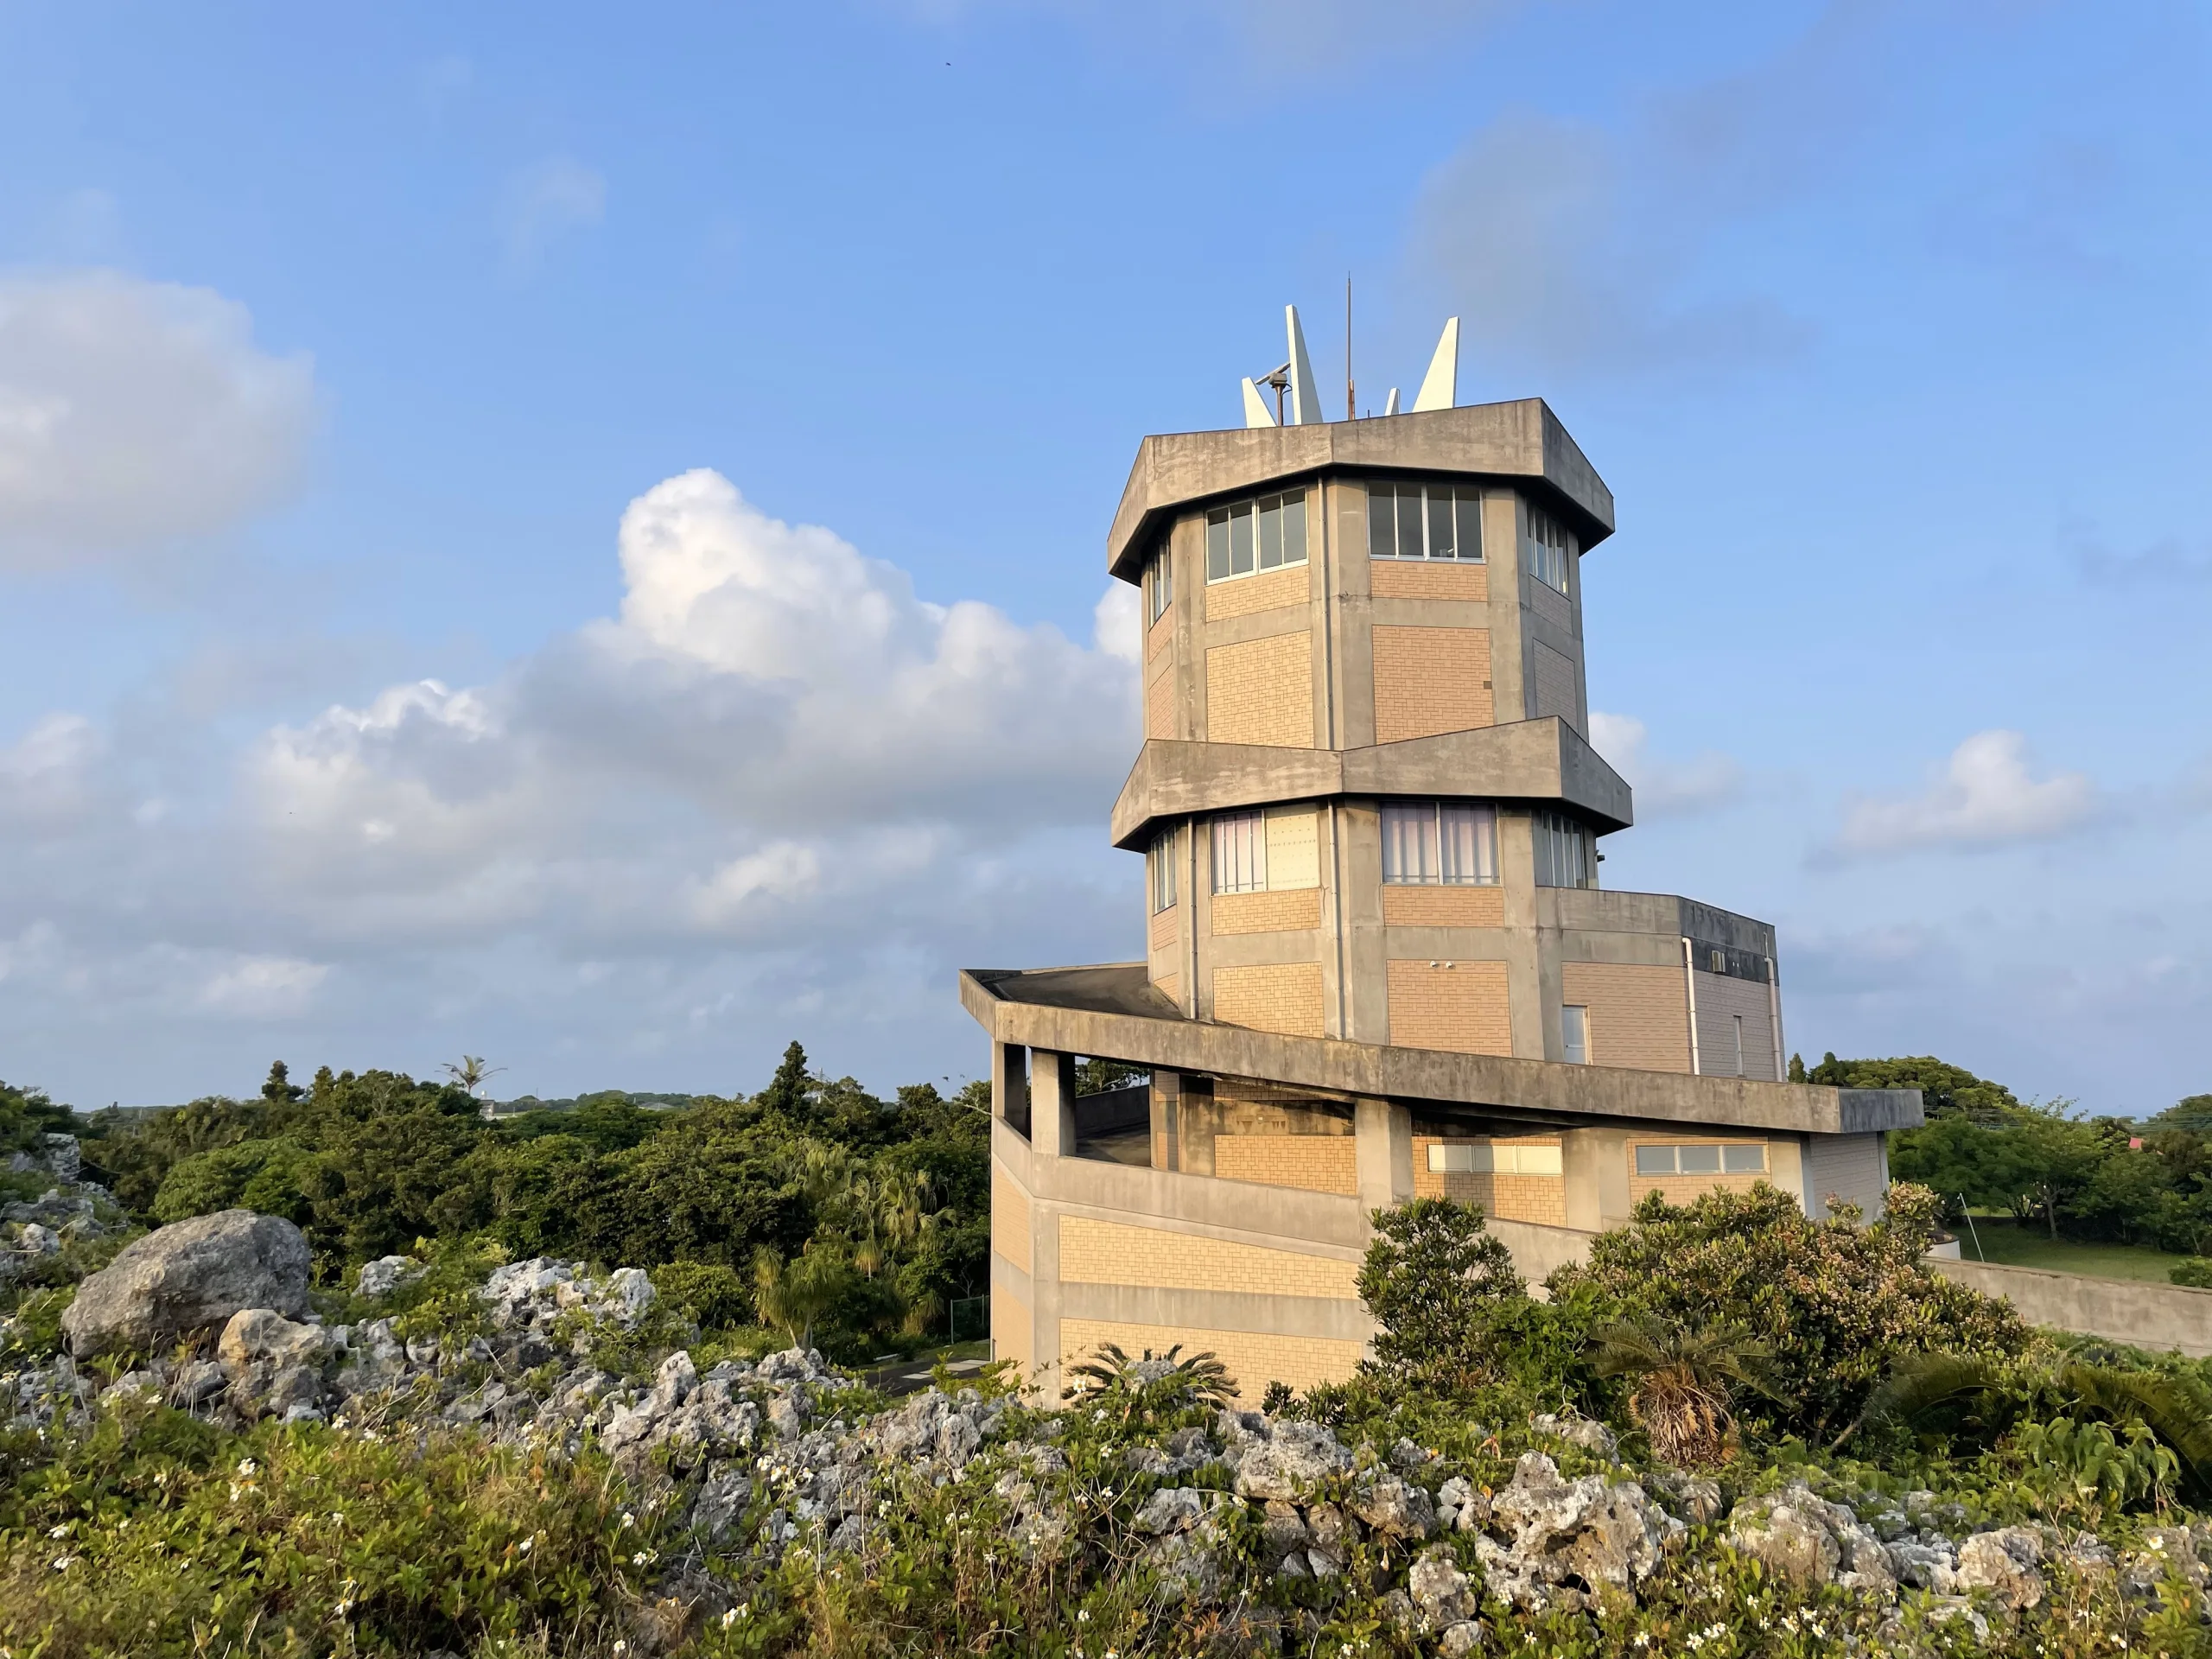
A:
(1352, 413)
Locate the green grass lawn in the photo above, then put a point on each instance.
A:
(2007, 1241)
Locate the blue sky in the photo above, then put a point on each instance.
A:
(408, 423)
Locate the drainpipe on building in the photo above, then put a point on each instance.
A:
(1774, 1012)
(1689, 984)
(1337, 920)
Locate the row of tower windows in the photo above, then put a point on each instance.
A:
(1425, 844)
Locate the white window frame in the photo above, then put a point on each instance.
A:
(1574, 1033)
(1252, 513)
(1552, 548)
(1488, 1158)
(1158, 584)
(1436, 846)
(1721, 1149)
(1240, 852)
(1160, 860)
(1421, 544)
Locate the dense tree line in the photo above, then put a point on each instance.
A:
(874, 1214)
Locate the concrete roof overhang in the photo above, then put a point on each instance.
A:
(1541, 760)
(1111, 1011)
(1521, 440)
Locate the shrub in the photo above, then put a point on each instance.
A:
(2195, 1273)
(1437, 1282)
(1840, 1304)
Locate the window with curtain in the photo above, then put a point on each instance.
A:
(1161, 868)
(1566, 852)
(1551, 549)
(1434, 842)
(1240, 853)
(1264, 534)
(1423, 521)
(1158, 584)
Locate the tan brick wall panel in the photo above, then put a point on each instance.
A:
(1165, 928)
(1094, 1252)
(1639, 1014)
(1393, 579)
(1261, 691)
(1160, 706)
(1267, 591)
(1442, 906)
(1540, 1198)
(1462, 1008)
(1429, 681)
(1160, 635)
(1009, 1219)
(1267, 912)
(1170, 986)
(1281, 997)
(1013, 1333)
(1312, 1163)
(1253, 1358)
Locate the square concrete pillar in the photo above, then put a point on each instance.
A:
(1383, 1152)
(1010, 1085)
(1052, 1102)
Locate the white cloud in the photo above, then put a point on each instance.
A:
(133, 415)
(1985, 795)
(259, 988)
(546, 201)
(1663, 787)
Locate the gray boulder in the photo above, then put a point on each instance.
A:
(1805, 1537)
(1442, 1594)
(385, 1274)
(1294, 1459)
(1394, 1508)
(1564, 1533)
(187, 1278)
(261, 1333)
(2005, 1563)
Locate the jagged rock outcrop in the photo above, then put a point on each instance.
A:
(187, 1279)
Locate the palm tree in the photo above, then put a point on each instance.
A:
(1683, 1396)
(793, 1295)
(1138, 1390)
(472, 1074)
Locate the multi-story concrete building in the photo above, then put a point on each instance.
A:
(1379, 960)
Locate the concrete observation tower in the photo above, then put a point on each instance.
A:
(1379, 960)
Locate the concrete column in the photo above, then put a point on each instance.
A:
(1383, 1152)
(1594, 1176)
(1052, 1102)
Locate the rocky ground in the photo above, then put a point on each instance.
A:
(785, 1454)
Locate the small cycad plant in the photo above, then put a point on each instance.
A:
(1137, 1393)
(1685, 1384)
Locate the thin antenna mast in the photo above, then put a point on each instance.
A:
(1351, 412)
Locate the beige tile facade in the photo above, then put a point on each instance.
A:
(1009, 1219)
(1312, 1163)
(1159, 706)
(1463, 1007)
(1283, 997)
(1395, 579)
(1639, 1012)
(1109, 1253)
(1267, 912)
(1249, 595)
(1440, 906)
(1261, 691)
(1429, 681)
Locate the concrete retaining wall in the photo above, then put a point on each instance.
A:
(2156, 1317)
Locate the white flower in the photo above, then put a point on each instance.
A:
(247, 1467)
(1082, 1614)
(62, 1531)
(642, 1558)
(622, 1647)
(338, 1517)
(729, 1619)
(63, 1563)
(628, 1519)
(526, 1543)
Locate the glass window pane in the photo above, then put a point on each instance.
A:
(1574, 1034)
(1469, 512)
(1469, 844)
(1410, 843)
(1655, 1161)
(1240, 539)
(1439, 522)
(1293, 529)
(1699, 1160)
(1410, 524)
(1744, 1160)
(1270, 533)
(1382, 522)
(1216, 544)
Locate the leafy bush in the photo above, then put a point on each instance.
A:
(1439, 1284)
(1840, 1304)
(2195, 1273)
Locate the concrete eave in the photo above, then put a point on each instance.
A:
(1096, 1011)
(1533, 761)
(1521, 440)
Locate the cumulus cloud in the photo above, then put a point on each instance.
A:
(1986, 795)
(134, 414)
(775, 774)
(1663, 787)
(546, 201)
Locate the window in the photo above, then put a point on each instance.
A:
(1158, 584)
(1423, 521)
(1740, 1045)
(1574, 1034)
(1484, 1158)
(1566, 852)
(1551, 549)
(1428, 842)
(1240, 853)
(1260, 535)
(1738, 1158)
(1159, 868)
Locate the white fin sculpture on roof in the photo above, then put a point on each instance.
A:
(1439, 387)
(1298, 399)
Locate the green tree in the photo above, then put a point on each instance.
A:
(1433, 1279)
(279, 1089)
(1945, 1089)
